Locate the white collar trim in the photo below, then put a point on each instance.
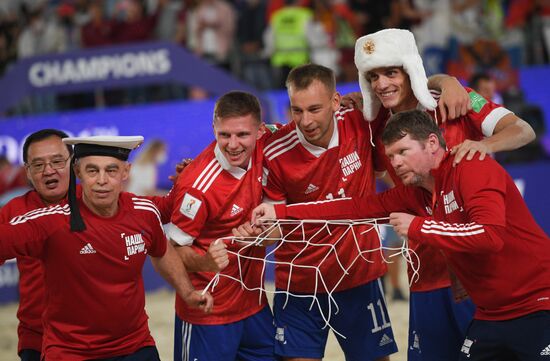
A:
(236, 172)
(316, 150)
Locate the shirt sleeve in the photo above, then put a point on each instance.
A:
(24, 237)
(189, 216)
(164, 204)
(483, 200)
(158, 238)
(484, 113)
(398, 199)
(272, 186)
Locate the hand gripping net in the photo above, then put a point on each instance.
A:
(294, 231)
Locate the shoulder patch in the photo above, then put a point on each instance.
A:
(190, 206)
(271, 127)
(477, 101)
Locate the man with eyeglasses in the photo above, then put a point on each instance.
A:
(47, 166)
(93, 247)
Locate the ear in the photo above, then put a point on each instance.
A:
(28, 173)
(126, 171)
(433, 143)
(336, 99)
(76, 169)
(261, 131)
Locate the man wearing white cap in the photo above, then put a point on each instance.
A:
(392, 79)
(94, 289)
(474, 214)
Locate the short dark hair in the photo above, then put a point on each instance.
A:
(238, 104)
(302, 76)
(477, 78)
(41, 135)
(416, 123)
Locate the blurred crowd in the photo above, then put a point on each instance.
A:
(260, 40)
(482, 42)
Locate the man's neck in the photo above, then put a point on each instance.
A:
(407, 104)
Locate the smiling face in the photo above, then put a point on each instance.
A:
(102, 180)
(312, 109)
(50, 183)
(236, 137)
(392, 86)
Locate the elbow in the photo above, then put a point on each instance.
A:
(530, 134)
(527, 133)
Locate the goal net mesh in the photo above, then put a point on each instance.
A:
(324, 235)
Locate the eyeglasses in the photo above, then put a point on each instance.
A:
(39, 167)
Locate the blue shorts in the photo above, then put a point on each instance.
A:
(362, 318)
(525, 338)
(29, 355)
(250, 339)
(147, 353)
(437, 325)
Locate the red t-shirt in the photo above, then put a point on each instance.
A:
(31, 279)
(94, 289)
(301, 172)
(211, 198)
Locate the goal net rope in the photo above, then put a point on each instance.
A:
(298, 232)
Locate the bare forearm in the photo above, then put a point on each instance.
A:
(193, 261)
(173, 271)
(512, 136)
(437, 81)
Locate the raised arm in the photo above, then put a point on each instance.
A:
(25, 235)
(378, 205)
(511, 132)
(454, 100)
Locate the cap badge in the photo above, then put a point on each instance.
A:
(369, 47)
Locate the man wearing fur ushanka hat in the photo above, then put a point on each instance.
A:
(392, 79)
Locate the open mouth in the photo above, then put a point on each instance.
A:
(235, 155)
(52, 183)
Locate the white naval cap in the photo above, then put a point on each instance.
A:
(385, 48)
(106, 145)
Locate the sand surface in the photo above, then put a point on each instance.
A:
(160, 306)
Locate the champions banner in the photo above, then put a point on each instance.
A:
(113, 67)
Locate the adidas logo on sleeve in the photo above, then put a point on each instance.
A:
(87, 249)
